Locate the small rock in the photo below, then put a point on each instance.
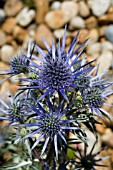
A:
(77, 22)
(9, 25)
(7, 51)
(94, 50)
(84, 9)
(93, 35)
(56, 5)
(3, 38)
(9, 39)
(107, 138)
(99, 7)
(108, 18)
(90, 2)
(91, 22)
(59, 33)
(102, 30)
(109, 33)
(83, 35)
(70, 9)
(19, 34)
(2, 15)
(107, 46)
(55, 19)
(25, 17)
(42, 7)
(43, 31)
(12, 7)
(105, 60)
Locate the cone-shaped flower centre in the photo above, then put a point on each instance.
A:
(93, 97)
(50, 125)
(56, 74)
(15, 112)
(18, 65)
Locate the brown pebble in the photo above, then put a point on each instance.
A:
(106, 18)
(45, 32)
(91, 22)
(19, 34)
(42, 8)
(9, 25)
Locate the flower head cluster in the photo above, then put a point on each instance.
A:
(96, 93)
(59, 69)
(14, 111)
(86, 161)
(18, 64)
(50, 125)
(62, 94)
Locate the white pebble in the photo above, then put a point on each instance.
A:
(56, 5)
(25, 16)
(7, 51)
(99, 7)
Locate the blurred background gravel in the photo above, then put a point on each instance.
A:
(24, 20)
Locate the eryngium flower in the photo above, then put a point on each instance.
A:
(96, 93)
(14, 111)
(86, 161)
(59, 70)
(89, 161)
(18, 64)
(50, 125)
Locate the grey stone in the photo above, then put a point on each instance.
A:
(109, 33)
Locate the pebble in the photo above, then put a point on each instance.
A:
(12, 7)
(56, 5)
(105, 60)
(19, 34)
(7, 51)
(107, 138)
(90, 2)
(83, 9)
(83, 35)
(99, 7)
(91, 22)
(2, 15)
(94, 50)
(42, 7)
(70, 9)
(56, 19)
(109, 33)
(77, 22)
(107, 46)
(45, 32)
(93, 35)
(9, 25)
(59, 33)
(102, 30)
(108, 18)
(3, 38)
(25, 17)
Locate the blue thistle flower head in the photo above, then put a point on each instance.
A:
(51, 125)
(14, 111)
(18, 65)
(89, 161)
(58, 71)
(96, 93)
(86, 161)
